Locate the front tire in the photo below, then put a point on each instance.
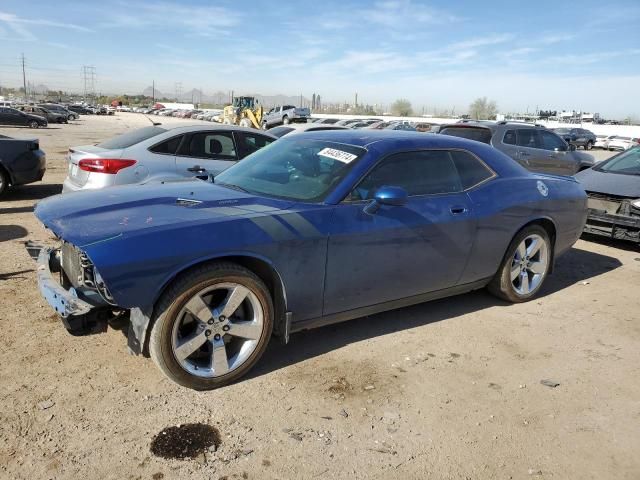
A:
(33, 124)
(212, 325)
(525, 266)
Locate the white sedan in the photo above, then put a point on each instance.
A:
(602, 141)
(622, 143)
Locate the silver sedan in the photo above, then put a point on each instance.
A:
(161, 153)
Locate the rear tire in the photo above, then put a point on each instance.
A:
(524, 267)
(226, 347)
(285, 120)
(589, 145)
(245, 122)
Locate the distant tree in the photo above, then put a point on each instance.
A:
(401, 108)
(483, 109)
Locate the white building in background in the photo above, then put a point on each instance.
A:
(573, 116)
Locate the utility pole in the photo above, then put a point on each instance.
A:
(356, 104)
(24, 79)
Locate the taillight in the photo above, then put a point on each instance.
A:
(104, 165)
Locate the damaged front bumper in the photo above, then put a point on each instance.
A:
(620, 227)
(79, 316)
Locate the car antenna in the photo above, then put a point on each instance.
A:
(155, 124)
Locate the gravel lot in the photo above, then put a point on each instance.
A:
(448, 389)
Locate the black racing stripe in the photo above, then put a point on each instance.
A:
(272, 227)
(301, 224)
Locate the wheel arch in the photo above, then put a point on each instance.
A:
(259, 265)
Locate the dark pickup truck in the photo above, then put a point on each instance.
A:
(21, 162)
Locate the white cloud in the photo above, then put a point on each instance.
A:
(17, 24)
(200, 20)
(482, 41)
(401, 14)
(519, 52)
(552, 38)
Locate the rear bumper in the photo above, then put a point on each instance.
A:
(69, 186)
(78, 316)
(620, 227)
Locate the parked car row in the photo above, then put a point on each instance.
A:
(375, 124)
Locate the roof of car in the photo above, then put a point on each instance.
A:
(391, 138)
(199, 127)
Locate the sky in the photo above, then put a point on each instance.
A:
(522, 54)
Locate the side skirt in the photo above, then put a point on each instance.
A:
(383, 307)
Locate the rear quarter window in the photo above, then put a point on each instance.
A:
(169, 147)
(131, 138)
(471, 170)
(478, 134)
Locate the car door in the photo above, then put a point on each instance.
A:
(528, 152)
(16, 117)
(401, 251)
(557, 157)
(206, 153)
(579, 136)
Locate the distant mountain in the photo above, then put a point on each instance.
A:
(197, 96)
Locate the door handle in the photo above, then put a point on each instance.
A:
(524, 154)
(196, 169)
(458, 210)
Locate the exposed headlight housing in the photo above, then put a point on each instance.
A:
(636, 203)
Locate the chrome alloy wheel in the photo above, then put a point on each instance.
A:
(529, 265)
(217, 330)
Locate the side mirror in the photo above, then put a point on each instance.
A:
(387, 195)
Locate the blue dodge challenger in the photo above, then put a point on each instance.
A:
(314, 229)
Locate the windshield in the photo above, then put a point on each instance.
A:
(131, 138)
(627, 163)
(294, 169)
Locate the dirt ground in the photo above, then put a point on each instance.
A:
(444, 390)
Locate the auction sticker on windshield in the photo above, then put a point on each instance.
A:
(344, 157)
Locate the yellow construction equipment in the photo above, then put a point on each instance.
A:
(244, 111)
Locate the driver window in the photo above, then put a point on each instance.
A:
(551, 141)
(419, 173)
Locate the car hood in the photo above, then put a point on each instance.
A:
(87, 217)
(610, 183)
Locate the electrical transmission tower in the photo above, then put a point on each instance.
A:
(89, 76)
(178, 90)
(24, 80)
